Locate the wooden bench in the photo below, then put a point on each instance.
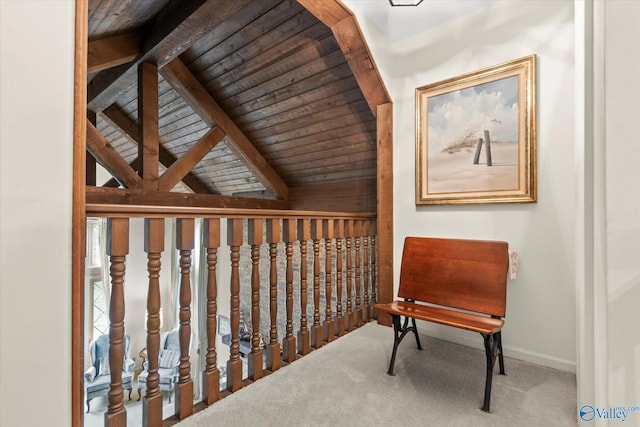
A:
(454, 282)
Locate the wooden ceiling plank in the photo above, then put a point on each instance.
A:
(129, 129)
(149, 140)
(176, 27)
(187, 161)
(112, 51)
(109, 158)
(186, 84)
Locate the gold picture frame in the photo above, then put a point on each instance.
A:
(476, 137)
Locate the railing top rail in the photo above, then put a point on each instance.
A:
(143, 211)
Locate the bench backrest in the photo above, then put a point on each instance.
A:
(464, 274)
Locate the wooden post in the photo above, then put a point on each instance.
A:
(149, 140)
(273, 348)
(328, 330)
(153, 246)
(211, 374)
(255, 240)
(234, 365)
(476, 156)
(316, 328)
(117, 249)
(184, 387)
(304, 233)
(339, 233)
(350, 321)
(486, 138)
(289, 228)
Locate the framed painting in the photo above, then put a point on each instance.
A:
(476, 137)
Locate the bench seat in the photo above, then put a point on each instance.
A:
(458, 319)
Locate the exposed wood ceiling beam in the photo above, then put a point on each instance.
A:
(193, 93)
(176, 27)
(110, 159)
(112, 51)
(149, 140)
(129, 130)
(352, 43)
(188, 160)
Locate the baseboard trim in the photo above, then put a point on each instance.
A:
(467, 339)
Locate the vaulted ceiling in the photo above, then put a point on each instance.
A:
(254, 98)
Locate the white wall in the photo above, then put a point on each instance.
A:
(36, 90)
(622, 153)
(540, 323)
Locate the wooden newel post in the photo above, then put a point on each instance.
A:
(304, 233)
(117, 249)
(211, 374)
(339, 233)
(255, 240)
(289, 229)
(273, 348)
(153, 246)
(328, 328)
(234, 365)
(184, 387)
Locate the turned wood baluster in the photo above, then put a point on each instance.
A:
(117, 249)
(153, 246)
(339, 233)
(304, 234)
(328, 325)
(184, 387)
(255, 240)
(374, 272)
(365, 263)
(234, 365)
(350, 321)
(289, 227)
(211, 374)
(273, 348)
(316, 328)
(358, 284)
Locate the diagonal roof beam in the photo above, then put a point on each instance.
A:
(176, 27)
(188, 160)
(110, 159)
(346, 30)
(129, 130)
(198, 98)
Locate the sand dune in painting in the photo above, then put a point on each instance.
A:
(456, 173)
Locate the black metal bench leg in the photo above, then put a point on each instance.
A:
(415, 332)
(500, 356)
(490, 348)
(396, 340)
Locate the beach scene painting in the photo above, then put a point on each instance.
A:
(475, 138)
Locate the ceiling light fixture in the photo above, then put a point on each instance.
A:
(405, 2)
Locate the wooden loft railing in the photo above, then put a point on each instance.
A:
(349, 294)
